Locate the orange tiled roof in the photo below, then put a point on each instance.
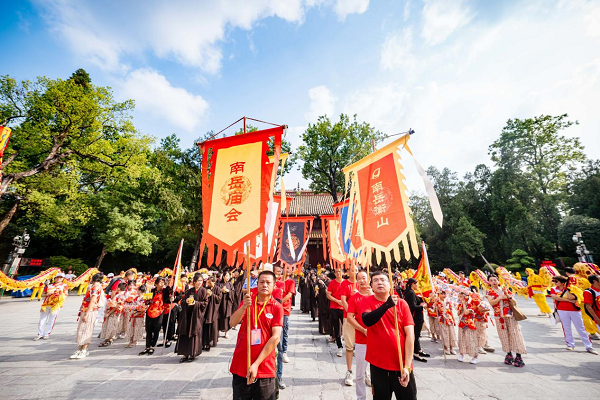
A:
(307, 202)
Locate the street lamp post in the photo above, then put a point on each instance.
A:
(11, 266)
(583, 253)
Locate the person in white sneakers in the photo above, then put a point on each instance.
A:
(570, 313)
(360, 337)
(87, 315)
(54, 298)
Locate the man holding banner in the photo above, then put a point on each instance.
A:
(377, 311)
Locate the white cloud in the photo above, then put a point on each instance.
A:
(155, 96)
(592, 22)
(397, 51)
(442, 17)
(190, 33)
(322, 103)
(345, 7)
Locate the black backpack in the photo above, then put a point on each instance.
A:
(590, 291)
(112, 282)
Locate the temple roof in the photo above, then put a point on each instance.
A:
(306, 202)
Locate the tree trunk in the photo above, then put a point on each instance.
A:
(101, 257)
(8, 216)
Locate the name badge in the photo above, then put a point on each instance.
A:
(255, 337)
(269, 315)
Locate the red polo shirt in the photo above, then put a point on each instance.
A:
(382, 348)
(563, 305)
(353, 304)
(335, 288)
(348, 289)
(271, 316)
(289, 287)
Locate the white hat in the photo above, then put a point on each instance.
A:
(139, 273)
(442, 274)
(60, 275)
(110, 275)
(156, 275)
(204, 277)
(267, 267)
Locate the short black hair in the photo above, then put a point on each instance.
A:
(97, 277)
(266, 272)
(197, 277)
(410, 281)
(561, 279)
(377, 273)
(593, 279)
(122, 286)
(493, 276)
(569, 270)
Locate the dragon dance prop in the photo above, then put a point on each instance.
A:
(11, 284)
(479, 279)
(508, 280)
(237, 187)
(83, 278)
(451, 275)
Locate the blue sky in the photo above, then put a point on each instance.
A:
(453, 70)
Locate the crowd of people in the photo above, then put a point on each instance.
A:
(375, 320)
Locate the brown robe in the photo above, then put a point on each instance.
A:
(191, 319)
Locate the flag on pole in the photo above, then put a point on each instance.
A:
(177, 267)
(423, 275)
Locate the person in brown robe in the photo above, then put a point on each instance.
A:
(191, 320)
(210, 331)
(226, 306)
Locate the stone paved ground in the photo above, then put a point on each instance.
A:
(42, 370)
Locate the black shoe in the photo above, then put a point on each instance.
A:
(146, 351)
(424, 354)
(420, 359)
(160, 345)
(183, 359)
(191, 359)
(168, 344)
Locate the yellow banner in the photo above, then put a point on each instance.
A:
(235, 205)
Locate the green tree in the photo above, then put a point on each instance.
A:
(519, 261)
(69, 139)
(467, 241)
(286, 147)
(535, 147)
(329, 147)
(584, 190)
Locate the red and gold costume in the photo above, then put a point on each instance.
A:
(508, 328)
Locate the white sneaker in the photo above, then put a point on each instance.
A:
(592, 351)
(481, 351)
(348, 380)
(453, 352)
(570, 348)
(75, 355)
(83, 354)
(460, 358)
(340, 352)
(227, 335)
(38, 337)
(286, 358)
(46, 337)
(474, 361)
(368, 378)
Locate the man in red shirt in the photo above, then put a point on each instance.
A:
(336, 308)
(591, 298)
(377, 312)
(266, 319)
(360, 346)
(288, 290)
(349, 287)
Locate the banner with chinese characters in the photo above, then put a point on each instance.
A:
(294, 234)
(236, 190)
(383, 215)
(332, 241)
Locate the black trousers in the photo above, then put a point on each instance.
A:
(172, 320)
(337, 320)
(262, 389)
(386, 382)
(418, 328)
(153, 326)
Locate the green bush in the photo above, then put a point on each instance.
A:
(64, 263)
(519, 261)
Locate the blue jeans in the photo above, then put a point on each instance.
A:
(282, 346)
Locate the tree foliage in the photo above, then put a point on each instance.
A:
(328, 147)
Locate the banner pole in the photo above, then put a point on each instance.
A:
(176, 273)
(395, 317)
(248, 313)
